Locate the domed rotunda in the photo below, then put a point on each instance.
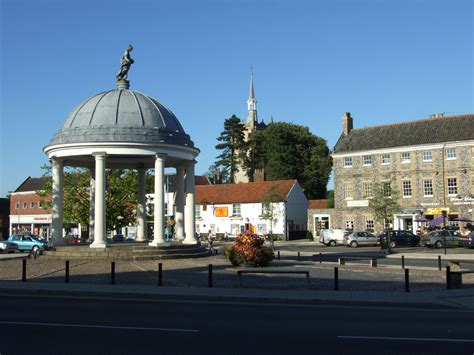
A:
(125, 129)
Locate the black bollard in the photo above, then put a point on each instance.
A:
(439, 263)
(298, 255)
(407, 280)
(403, 261)
(66, 276)
(160, 274)
(278, 255)
(23, 272)
(320, 258)
(448, 277)
(112, 273)
(210, 275)
(336, 278)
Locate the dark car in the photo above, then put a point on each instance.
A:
(398, 238)
(467, 241)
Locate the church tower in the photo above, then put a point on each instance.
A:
(252, 121)
(251, 125)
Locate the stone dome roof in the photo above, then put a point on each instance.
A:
(121, 115)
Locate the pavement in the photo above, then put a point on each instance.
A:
(437, 298)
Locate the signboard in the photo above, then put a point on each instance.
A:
(357, 203)
(437, 210)
(221, 211)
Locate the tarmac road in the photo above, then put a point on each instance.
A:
(66, 325)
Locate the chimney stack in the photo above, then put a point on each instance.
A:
(347, 123)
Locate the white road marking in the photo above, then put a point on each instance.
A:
(409, 339)
(101, 326)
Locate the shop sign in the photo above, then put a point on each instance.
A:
(357, 203)
(221, 211)
(437, 210)
(462, 201)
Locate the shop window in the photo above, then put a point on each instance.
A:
(369, 224)
(349, 224)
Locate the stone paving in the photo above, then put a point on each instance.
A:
(193, 273)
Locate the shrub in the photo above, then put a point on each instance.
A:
(248, 249)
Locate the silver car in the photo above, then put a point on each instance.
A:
(360, 238)
(438, 239)
(7, 247)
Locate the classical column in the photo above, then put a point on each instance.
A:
(180, 202)
(159, 202)
(189, 223)
(100, 240)
(57, 210)
(141, 207)
(91, 205)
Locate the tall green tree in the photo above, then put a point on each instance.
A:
(289, 151)
(233, 147)
(121, 195)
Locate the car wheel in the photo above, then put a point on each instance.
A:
(392, 244)
(35, 249)
(354, 244)
(332, 243)
(439, 244)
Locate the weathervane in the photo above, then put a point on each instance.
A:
(125, 64)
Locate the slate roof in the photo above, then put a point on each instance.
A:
(252, 192)
(31, 184)
(317, 204)
(425, 131)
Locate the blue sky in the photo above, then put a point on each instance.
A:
(384, 61)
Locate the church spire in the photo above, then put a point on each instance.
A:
(251, 103)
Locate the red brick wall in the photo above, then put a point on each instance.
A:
(28, 198)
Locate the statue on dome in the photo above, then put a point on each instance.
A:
(125, 64)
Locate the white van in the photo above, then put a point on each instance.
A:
(332, 237)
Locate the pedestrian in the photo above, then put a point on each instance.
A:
(226, 236)
(210, 241)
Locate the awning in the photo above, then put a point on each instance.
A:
(436, 222)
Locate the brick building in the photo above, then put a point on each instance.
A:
(430, 162)
(26, 211)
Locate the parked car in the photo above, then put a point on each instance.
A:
(438, 239)
(29, 242)
(355, 239)
(399, 237)
(467, 241)
(332, 237)
(7, 247)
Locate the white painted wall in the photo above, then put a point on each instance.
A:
(250, 213)
(297, 208)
